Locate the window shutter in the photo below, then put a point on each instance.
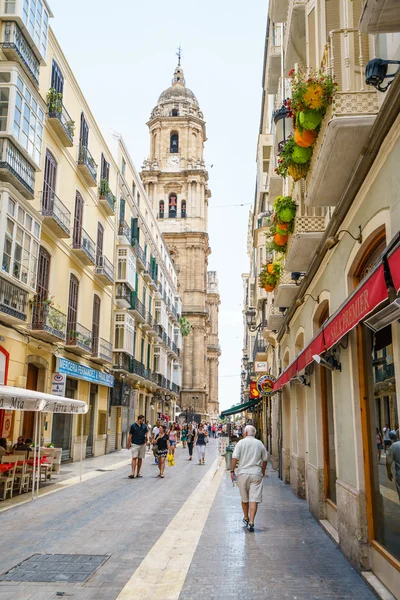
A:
(122, 209)
(332, 21)
(49, 182)
(135, 229)
(100, 237)
(57, 79)
(96, 323)
(78, 216)
(73, 302)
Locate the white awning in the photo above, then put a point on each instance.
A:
(13, 398)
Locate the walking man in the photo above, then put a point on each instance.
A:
(137, 439)
(252, 457)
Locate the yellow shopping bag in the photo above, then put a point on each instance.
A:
(170, 459)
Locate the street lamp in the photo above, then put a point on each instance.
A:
(251, 320)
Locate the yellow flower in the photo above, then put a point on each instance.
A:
(313, 96)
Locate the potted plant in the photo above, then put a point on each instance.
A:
(305, 138)
(186, 327)
(285, 211)
(54, 101)
(312, 92)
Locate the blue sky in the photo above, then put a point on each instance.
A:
(123, 56)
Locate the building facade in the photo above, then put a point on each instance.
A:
(330, 321)
(176, 181)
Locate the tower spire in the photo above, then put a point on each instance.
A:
(179, 54)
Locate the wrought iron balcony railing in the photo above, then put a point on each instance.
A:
(13, 300)
(80, 336)
(137, 305)
(58, 111)
(54, 208)
(20, 171)
(48, 319)
(102, 349)
(105, 267)
(86, 245)
(85, 158)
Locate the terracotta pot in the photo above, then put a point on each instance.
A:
(280, 240)
(269, 288)
(270, 268)
(305, 139)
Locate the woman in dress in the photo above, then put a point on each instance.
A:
(184, 435)
(200, 443)
(163, 447)
(173, 438)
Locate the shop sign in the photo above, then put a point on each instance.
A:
(261, 366)
(58, 384)
(133, 399)
(73, 369)
(265, 384)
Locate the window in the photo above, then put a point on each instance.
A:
(96, 324)
(174, 143)
(21, 245)
(28, 121)
(138, 199)
(72, 307)
(133, 190)
(161, 207)
(122, 210)
(175, 112)
(124, 333)
(49, 182)
(123, 167)
(78, 216)
(183, 209)
(9, 7)
(99, 246)
(4, 96)
(36, 19)
(57, 79)
(84, 132)
(105, 169)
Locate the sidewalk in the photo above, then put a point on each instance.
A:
(288, 557)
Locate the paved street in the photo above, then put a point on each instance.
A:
(288, 557)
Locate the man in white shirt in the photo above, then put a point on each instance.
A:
(252, 458)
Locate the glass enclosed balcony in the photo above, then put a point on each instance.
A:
(16, 48)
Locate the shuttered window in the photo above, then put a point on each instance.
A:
(57, 79)
(135, 231)
(96, 324)
(122, 209)
(105, 168)
(72, 305)
(49, 182)
(78, 217)
(99, 246)
(84, 132)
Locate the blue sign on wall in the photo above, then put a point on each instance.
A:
(73, 369)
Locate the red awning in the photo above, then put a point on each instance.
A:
(371, 292)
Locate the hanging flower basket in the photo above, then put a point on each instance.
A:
(285, 211)
(280, 240)
(269, 288)
(305, 138)
(301, 155)
(313, 92)
(309, 119)
(297, 171)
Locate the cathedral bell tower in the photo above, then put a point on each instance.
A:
(176, 181)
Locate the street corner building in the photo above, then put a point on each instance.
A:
(321, 307)
(89, 301)
(176, 181)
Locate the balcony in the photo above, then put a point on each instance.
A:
(106, 197)
(102, 351)
(274, 58)
(16, 48)
(124, 233)
(278, 10)
(285, 291)
(56, 215)
(47, 322)
(345, 128)
(146, 274)
(275, 187)
(79, 338)
(59, 120)
(85, 248)
(275, 319)
(122, 295)
(303, 243)
(380, 16)
(138, 250)
(153, 331)
(104, 271)
(148, 322)
(122, 362)
(153, 282)
(138, 308)
(159, 291)
(87, 166)
(384, 373)
(15, 169)
(294, 43)
(13, 302)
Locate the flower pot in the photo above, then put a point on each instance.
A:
(301, 155)
(306, 138)
(297, 171)
(269, 288)
(309, 119)
(283, 227)
(314, 95)
(270, 268)
(280, 240)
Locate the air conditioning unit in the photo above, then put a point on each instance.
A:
(384, 317)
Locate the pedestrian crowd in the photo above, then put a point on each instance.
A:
(163, 438)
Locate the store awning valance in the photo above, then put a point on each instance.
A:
(240, 408)
(370, 293)
(13, 398)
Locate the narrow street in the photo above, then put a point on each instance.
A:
(174, 538)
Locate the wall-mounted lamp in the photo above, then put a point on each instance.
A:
(301, 301)
(332, 241)
(300, 380)
(297, 276)
(329, 361)
(251, 320)
(376, 73)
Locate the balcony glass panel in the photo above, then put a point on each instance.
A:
(15, 40)
(87, 245)
(105, 267)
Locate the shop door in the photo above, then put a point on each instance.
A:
(28, 427)
(90, 417)
(61, 434)
(113, 428)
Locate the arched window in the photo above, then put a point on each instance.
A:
(175, 112)
(172, 205)
(174, 143)
(161, 209)
(183, 209)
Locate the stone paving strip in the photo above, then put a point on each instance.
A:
(162, 574)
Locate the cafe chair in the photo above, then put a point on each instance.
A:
(7, 480)
(46, 469)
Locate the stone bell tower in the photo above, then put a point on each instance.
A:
(176, 181)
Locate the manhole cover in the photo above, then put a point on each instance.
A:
(56, 568)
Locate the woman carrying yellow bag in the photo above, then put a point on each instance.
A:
(163, 449)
